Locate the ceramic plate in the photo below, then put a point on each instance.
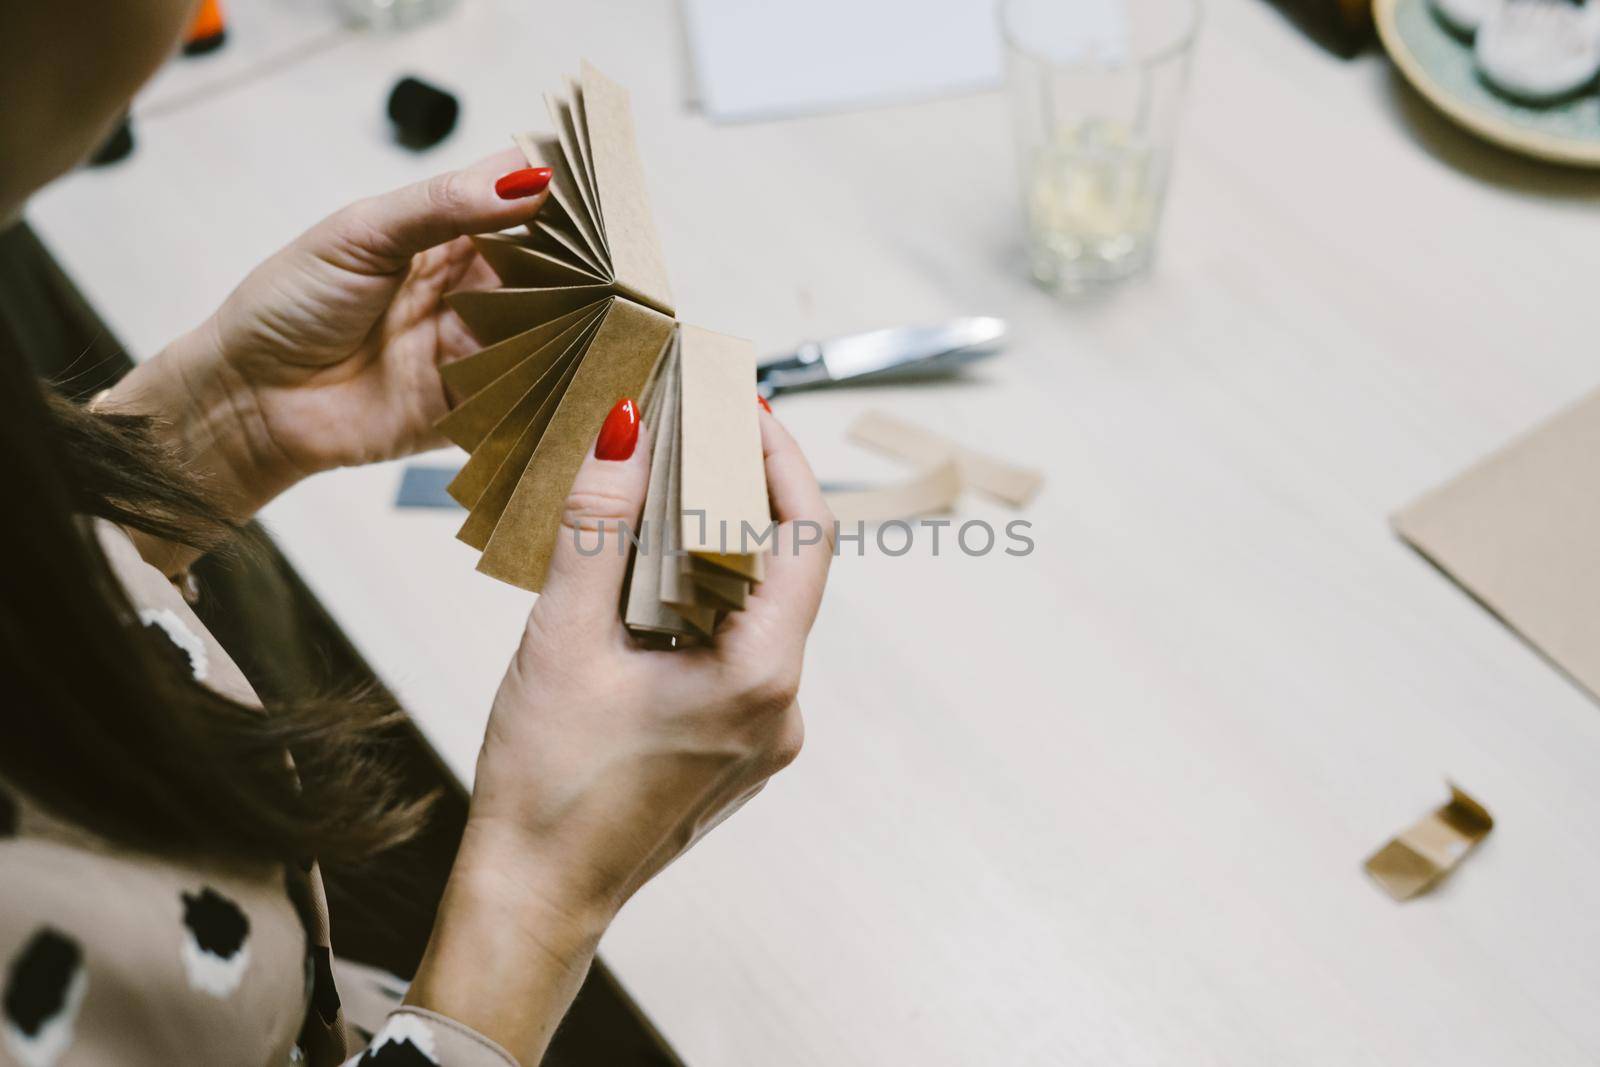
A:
(1438, 65)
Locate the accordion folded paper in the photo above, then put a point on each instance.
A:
(585, 317)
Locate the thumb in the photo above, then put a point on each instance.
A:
(583, 588)
(382, 233)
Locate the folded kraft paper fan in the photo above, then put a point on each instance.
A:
(584, 318)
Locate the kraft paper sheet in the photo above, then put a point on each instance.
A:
(1520, 532)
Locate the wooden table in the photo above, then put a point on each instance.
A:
(1105, 804)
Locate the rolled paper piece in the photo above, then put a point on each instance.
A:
(1417, 858)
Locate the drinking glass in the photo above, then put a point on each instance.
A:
(1097, 89)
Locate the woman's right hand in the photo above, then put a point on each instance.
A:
(603, 760)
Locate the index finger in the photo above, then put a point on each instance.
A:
(387, 230)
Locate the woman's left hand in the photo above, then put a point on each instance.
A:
(328, 354)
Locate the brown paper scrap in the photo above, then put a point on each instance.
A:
(1013, 484)
(934, 490)
(1427, 850)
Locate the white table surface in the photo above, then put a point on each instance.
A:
(1106, 804)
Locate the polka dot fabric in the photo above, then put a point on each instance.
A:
(115, 957)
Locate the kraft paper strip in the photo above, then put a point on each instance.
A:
(1012, 484)
(518, 265)
(751, 567)
(556, 215)
(580, 122)
(642, 606)
(1427, 850)
(727, 590)
(933, 491)
(629, 341)
(561, 118)
(466, 376)
(648, 412)
(724, 481)
(673, 587)
(644, 610)
(495, 314)
(474, 419)
(491, 503)
(560, 242)
(564, 193)
(636, 260)
(528, 418)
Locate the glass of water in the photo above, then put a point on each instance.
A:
(1097, 90)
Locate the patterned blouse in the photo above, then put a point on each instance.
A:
(117, 957)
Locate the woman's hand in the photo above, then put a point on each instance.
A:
(603, 761)
(328, 354)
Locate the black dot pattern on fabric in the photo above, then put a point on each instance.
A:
(324, 993)
(176, 655)
(218, 925)
(396, 1054)
(40, 975)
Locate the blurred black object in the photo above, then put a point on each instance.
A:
(118, 146)
(1343, 27)
(423, 114)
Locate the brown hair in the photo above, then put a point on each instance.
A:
(101, 722)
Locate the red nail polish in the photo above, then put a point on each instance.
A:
(763, 402)
(620, 432)
(529, 181)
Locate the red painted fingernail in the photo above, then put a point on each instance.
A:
(620, 432)
(529, 181)
(763, 402)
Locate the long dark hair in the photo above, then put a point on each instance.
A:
(99, 721)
